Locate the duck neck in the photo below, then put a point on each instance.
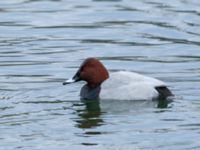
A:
(90, 92)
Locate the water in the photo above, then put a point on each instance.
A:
(43, 42)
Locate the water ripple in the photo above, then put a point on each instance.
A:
(43, 42)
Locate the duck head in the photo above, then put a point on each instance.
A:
(92, 71)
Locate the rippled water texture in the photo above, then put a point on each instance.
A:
(43, 42)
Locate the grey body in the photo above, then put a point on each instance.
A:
(93, 93)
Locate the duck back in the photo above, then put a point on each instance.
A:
(124, 85)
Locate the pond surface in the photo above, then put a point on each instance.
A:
(43, 42)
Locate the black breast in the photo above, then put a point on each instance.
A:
(90, 93)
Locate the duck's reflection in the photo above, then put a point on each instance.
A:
(164, 103)
(89, 115)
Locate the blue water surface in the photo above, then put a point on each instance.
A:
(43, 42)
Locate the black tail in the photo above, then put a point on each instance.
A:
(164, 92)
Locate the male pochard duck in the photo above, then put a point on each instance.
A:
(121, 85)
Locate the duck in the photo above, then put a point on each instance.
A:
(120, 85)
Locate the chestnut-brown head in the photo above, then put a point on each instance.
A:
(92, 71)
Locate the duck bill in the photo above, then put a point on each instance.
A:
(76, 78)
(69, 81)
